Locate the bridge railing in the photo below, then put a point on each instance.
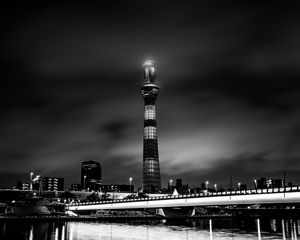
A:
(195, 195)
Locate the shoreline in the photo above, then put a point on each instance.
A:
(139, 218)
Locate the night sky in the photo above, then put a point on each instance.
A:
(230, 90)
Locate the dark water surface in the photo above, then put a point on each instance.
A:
(195, 229)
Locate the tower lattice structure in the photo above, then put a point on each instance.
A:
(151, 170)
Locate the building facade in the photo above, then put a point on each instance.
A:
(263, 183)
(91, 175)
(151, 170)
(52, 184)
(76, 187)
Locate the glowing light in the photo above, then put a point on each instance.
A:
(56, 233)
(31, 233)
(149, 112)
(63, 233)
(148, 63)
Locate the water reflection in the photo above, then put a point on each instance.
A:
(258, 229)
(210, 229)
(195, 229)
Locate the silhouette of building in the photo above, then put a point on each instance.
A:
(151, 170)
(182, 189)
(243, 187)
(91, 175)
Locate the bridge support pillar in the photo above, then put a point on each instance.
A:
(176, 212)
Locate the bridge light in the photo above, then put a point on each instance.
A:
(215, 187)
(239, 185)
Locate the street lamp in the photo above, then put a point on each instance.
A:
(206, 184)
(84, 177)
(215, 187)
(130, 179)
(239, 185)
(255, 184)
(30, 185)
(170, 185)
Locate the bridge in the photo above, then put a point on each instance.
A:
(184, 204)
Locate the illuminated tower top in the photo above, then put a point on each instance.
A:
(149, 72)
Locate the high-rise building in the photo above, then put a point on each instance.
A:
(151, 170)
(91, 175)
(52, 184)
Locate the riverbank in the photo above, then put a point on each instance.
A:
(79, 218)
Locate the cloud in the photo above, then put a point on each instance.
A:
(228, 77)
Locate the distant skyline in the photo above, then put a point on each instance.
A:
(229, 102)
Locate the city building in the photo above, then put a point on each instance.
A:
(182, 189)
(91, 175)
(76, 187)
(151, 170)
(52, 184)
(117, 188)
(269, 183)
(22, 185)
(275, 183)
(36, 183)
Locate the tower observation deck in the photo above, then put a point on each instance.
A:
(151, 171)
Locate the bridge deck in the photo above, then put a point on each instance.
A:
(259, 196)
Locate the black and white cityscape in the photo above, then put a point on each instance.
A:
(157, 114)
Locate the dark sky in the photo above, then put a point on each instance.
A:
(229, 101)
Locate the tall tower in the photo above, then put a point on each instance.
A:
(151, 172)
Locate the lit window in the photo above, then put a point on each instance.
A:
(150, 164)
(149, 112)
(150, 132)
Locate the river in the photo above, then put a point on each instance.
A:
(194, 229)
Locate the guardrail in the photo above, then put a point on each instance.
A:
(196, 195)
